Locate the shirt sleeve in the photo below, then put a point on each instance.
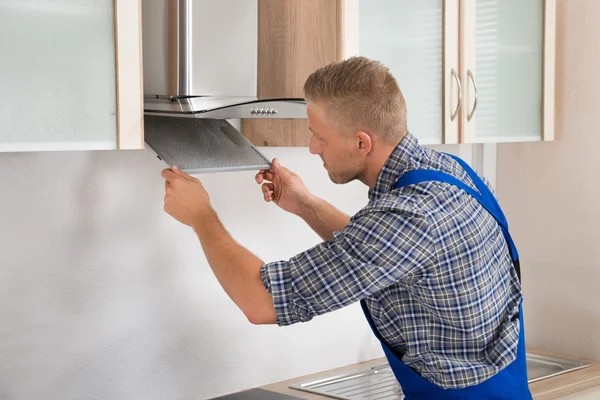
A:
(373, 252)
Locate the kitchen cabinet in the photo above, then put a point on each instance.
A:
(472, 71)
(508, 60)
(419, 42)
(71, 75)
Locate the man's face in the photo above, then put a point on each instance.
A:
(339, 152)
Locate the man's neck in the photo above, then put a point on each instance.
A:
(376, 163)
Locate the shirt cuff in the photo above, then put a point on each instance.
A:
(277, 279)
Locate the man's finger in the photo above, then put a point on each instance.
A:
(267, 189)
(268, 175)
(259, 178)
(168, 175)
(181, 173)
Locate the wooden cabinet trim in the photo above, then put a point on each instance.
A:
(129, 75)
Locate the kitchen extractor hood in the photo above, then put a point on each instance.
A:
(199, 56)
(224, 107)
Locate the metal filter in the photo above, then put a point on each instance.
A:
(197, 145)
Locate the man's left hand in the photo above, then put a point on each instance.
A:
(186, 200)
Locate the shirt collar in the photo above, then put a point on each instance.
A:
(402, 159)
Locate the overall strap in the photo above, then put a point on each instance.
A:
(482, 187)
(483, 195)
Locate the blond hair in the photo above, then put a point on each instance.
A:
(359, 94)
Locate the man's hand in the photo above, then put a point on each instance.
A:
(285, 189)
(186, 200)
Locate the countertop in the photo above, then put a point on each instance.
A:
(547, 389)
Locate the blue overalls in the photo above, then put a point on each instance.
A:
(509, 383)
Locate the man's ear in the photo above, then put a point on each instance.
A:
(364, 143)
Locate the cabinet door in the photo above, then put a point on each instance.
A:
(508, 70)
(418, 41)
(70, 75)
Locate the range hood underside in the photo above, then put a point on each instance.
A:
(198, 145)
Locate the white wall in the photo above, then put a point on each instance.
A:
(103, 295)
(551, 195)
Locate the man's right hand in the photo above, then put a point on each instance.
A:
(284, 188)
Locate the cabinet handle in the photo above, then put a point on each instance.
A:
(470, 116)
(455, 113)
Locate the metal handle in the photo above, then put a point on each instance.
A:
(455, 113)
(470, 75)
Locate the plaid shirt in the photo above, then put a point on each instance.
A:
(432, 266)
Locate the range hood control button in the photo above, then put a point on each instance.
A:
(269, 111)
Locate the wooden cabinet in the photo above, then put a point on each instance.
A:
(71, 75)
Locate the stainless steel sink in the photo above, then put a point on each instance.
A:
(542, 367)
(378, 382)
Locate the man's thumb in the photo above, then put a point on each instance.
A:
(275, 165)
(179, 172)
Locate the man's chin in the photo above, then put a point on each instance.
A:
(339, 180)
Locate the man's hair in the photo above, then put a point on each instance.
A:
(359, 94)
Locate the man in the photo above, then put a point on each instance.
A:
(427, 257)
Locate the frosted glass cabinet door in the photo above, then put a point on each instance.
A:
(418, 41)
(505, 72)
(68, 80)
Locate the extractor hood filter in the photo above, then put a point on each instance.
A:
(197, 145)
